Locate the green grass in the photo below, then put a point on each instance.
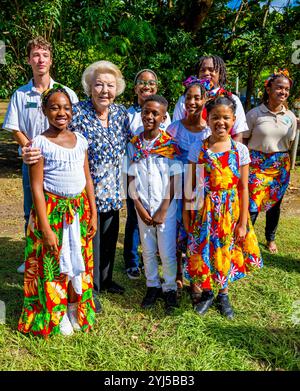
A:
(262, 336)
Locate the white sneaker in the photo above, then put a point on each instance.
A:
(72, 315)
(21, 269)
(65, 326)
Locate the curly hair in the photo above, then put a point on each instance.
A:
(97, 68)
(38, 42)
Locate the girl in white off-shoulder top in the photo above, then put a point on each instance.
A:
(58, 279)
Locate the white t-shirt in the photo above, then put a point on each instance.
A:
(239, 126)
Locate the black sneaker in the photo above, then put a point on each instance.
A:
(206, 301)
(151, 296)
(171, 303)
(113, 287)
(224, 306)
(133, 274)
(98, 306)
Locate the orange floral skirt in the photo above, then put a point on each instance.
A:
(45, 288)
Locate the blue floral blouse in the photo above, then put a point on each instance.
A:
(106, 150)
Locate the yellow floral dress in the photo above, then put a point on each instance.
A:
(214, 258)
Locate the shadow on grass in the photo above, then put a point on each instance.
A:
(284, 262)
(276, 348)
(11, 282)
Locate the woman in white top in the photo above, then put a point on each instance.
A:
(213, 69)
(272, 130)
(58, 280)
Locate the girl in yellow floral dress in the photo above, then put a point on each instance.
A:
(58, 278)
(222, 245)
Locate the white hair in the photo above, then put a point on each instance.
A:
(99, 67)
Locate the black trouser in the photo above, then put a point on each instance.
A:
(104, 245)
(272, 219)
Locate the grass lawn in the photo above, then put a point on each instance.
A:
(263, 336)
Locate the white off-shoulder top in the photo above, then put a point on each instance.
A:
(63, 167)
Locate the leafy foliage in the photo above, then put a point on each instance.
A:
(253, 39)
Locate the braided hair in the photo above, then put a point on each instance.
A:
(219, 66)
(56, 88)
(223, 99)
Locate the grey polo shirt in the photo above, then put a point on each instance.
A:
(270, 132)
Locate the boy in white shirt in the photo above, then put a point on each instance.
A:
(152, 173)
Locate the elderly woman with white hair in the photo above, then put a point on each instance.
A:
(106, 127)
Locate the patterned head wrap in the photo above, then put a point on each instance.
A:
(281, 72)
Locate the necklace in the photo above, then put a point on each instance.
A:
(102, 119)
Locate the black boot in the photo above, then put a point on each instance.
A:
(151, 296)
(224, 306)
(113, 287)
(205, 302)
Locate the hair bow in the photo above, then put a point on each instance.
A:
(220, 92)
(206, 83)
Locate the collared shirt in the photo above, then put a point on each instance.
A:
(270, 132)
(24, 112)
(106, 150)
(135, 120)
(240, 124)
(152, 177)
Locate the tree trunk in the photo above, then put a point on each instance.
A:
(195, 14)
(250, 88)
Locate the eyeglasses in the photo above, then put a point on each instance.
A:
(151, 83)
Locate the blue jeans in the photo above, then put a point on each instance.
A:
(132, 237)
(27, 204)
